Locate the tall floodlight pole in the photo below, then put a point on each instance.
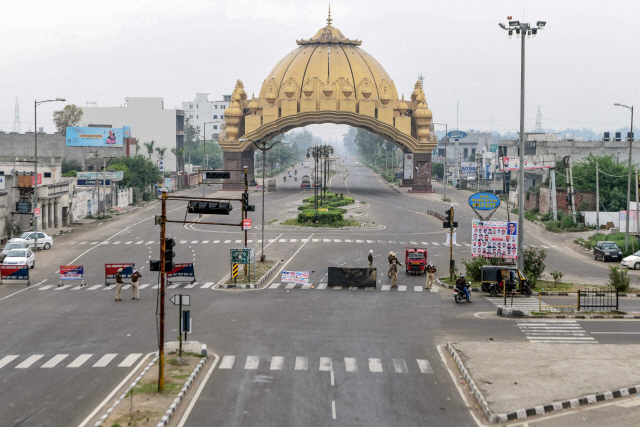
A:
(521, 29)
(444, 175)
(35, 163)
(204, 148)
(626, 235)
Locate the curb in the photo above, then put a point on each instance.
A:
(178, 399)
(521, 414)
(133, 384)
(259, 282)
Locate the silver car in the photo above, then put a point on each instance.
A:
(12, 245)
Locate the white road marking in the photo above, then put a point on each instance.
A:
(105, 360)
(348, 241)
(353, 288)
(252, 362)
(400, 366)
(425, 366)
(193, 242)
(216, 241)
(270, 240)
(30, 361)
(386, 287)
(94, 287)
(434, 289)
(6, 360)
(370, 241)
(204, 242)
(337, 288)
(173, 286)
(206, 285)
(51, 363)
(144, 286)
(238, 241)
(44, 288)
(435, 243)
(359, 241)
(413, 243)
(315, 240)
(306, 286)
(79, 361)
(150, 242)
(424, 243)
(402, 288)
(274, 286)
(139, 242)
(129, 242)
(191, 285)
(227, 241)
(417, 288)
(59, 288)
(322, 286)
(77, 288)
(277, 362)
(326, 364)
(126, 287)
(333, 409)
(129, 360)
(337, 240)
(116, 243)
(326, 240)
(351, 364)
(290, 286)
(375, 365)
(227, 362)
(293, 240)
(302, 363)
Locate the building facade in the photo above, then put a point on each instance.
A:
(149, 121)
(201, 111)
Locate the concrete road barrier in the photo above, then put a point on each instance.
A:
(361, 277)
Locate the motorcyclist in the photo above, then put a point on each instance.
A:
(295, 172)
(461, 285)
(284, 178)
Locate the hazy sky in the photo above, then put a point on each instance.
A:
(584, 61)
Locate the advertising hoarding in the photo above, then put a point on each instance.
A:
(484, 201)
(494, 239)
(530, 162)
(94, 137)
(468, 168)
(115, 175)
(408, 165)
(295, 276)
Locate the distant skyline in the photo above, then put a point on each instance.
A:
(99, 51)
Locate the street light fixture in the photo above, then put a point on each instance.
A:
(626, 235)
(446, 141)
(204, 147)
(262, 146)
(35, 179)
(525, 29)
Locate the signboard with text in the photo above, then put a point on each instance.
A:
(114, 175)
(530, 162)
(71, 272)
(182, 270)
(39, 179)
(14, 272)
(241, 256)
(110, 270)
(494, 239)
(295, 276)
(484, 201)
(468, 168)
(94, 137)
(246, 224)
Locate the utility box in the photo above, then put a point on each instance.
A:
(271, 185)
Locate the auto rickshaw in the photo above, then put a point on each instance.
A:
(498, 279)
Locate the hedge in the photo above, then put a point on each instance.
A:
(323, 216)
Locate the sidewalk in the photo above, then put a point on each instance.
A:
(515, 381)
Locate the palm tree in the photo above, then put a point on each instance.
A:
(161, 152)
(179, 153)
(149, 146)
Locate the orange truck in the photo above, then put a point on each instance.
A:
(415, 260)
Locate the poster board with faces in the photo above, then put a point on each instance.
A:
(494, 239)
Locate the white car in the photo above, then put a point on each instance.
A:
(9, 246)
(20, 257)
(44, 240)
(632, 261)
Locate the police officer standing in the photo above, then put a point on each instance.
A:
(431, 272)
(135, 288)
(370, 258)
(119, 285)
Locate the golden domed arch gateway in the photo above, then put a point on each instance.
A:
(329, 79)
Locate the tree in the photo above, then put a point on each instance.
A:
(70, 165)
(138, 171)
(69, 116)
(437, 169)
(179, 154)
(149, 146)
(161, 152)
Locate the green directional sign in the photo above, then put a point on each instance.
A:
(241, 256)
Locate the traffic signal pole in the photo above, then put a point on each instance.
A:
(244, 212)
(451, 247)
(163, 225)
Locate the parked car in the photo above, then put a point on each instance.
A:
(20, 257)
(44, 240)
(607, 251)
(10, 246)
(632, 261)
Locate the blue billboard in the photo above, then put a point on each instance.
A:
(94, 137)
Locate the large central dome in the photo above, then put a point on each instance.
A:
(328, 57)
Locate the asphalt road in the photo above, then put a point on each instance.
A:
(288, 356)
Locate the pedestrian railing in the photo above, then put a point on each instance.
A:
(595, 299)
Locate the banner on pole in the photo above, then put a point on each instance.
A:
(449, 238)
(295, 276)
(494, 239)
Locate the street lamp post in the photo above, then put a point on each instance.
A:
(444, 175)
(320, 153)
(522, 29)
(35, 179)
(262, 146)
(626, 235)
(204, 147)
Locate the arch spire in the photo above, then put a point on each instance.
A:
(329, 18)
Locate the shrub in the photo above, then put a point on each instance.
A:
(557, 275)
(534, 263)
(323, 216)
(618, 279)
(473, 268)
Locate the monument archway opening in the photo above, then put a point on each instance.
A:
(329, 79)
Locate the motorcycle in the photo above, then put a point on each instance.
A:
(458, 295)
(295, 179)
(284, 178)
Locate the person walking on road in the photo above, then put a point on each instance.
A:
(393, 273)
(392, 257)
(135, 288)
(370, 258)
(431, 273)
(119, 285)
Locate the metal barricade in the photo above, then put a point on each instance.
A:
(598, 299)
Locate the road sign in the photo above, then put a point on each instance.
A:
(37, 212)
(235, 271)
(175, 299)
(484, 201)
(246, 224)
(241, 256)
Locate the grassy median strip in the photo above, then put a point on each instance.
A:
(144, 406)
(257, 271)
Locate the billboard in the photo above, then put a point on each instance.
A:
(115, 175)
(530, 162)
(295, 277)
(408, 165)
(494, 239)
(468, 168)
(94, 137)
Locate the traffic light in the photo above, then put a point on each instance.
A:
(211, 208)
(154, 265)
(449, 223)
(217, 175)
(168, 254)
(245, 203)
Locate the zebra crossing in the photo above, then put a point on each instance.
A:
(103, 287)
(521, 303)
(324, 286)
(325, 364)
(65, 360)
(555, 332)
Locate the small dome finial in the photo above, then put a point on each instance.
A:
(329, 18)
